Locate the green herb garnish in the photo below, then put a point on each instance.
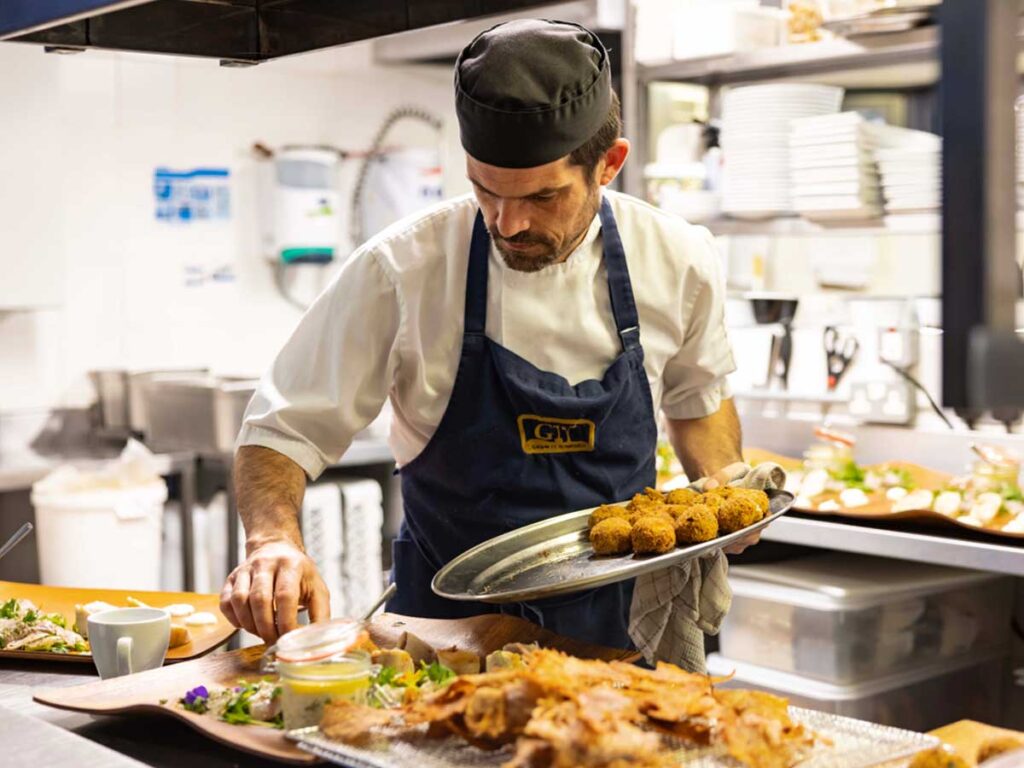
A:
(851, 475)
(386, 676)
(438, 673)
(31, 617)
(55, 618)
(9, 610)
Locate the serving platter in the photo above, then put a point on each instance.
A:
(158, 690)
(554, 557)
(850, 744)
(878, 507)
(63, 600)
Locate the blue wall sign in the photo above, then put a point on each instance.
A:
(201, 194)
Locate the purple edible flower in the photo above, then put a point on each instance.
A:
(199, 692)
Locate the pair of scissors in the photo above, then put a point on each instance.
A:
(839, 354)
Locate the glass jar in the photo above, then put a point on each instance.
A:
(319, 664)
(832, 452)
(995, 471)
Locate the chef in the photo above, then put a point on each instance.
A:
(526, 335)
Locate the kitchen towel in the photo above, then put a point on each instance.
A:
(674, 608)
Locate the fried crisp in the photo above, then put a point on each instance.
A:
(695, 524)
(653, 535)
(682, 497)
(566, 712)
(352, 723)
(738, 512)
(611, 537)
(939, 757)
(606, 511)
(998, 746)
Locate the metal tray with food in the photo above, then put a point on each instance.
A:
(555, 557)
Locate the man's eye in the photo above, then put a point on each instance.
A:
(543, 198)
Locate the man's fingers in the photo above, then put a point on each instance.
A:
(319, 600)
(261, 601)
(240, 601)
(286, 599)
(225, 601)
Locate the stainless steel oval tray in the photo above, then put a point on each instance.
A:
(554, 557)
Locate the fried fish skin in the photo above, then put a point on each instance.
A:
(939, 757)
(682, 497)
(606, 511)
(998, 746)
(738, 512)
(695, 524)
(653, 535)
(611, 537)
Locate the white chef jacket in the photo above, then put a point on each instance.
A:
(390, 326)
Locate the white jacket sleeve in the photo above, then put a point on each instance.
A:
(695, 377)
(331, 378)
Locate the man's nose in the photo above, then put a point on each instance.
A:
(512, 218)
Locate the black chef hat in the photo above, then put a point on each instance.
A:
(530, 91)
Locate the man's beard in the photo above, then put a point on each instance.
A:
(546, 251)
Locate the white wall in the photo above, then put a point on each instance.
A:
(80, 137)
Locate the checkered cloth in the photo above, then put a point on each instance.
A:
(674, 608)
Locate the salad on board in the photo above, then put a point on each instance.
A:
(26, 627)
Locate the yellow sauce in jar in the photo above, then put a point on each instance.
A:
(306, 688)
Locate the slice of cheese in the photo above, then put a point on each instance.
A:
(179, 636)
(83, 612)
(200, 619)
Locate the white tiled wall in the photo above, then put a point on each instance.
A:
(80, 137)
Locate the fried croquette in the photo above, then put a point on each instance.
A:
(606, 511)
(715, 501)
(653, 535)
(682, 497)
(738, 512)
(642, 502)
(758, 496)
(998, 746)
(611, 536)
(695, 524)
(654, 493)
(939, 757)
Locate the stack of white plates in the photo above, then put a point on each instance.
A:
(832, 167)
(911, 173)
(755, 143)
(1020, 151)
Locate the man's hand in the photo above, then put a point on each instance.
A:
(263, 594)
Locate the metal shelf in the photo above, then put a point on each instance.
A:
(802, 60)
(794, 226)
(963, 550)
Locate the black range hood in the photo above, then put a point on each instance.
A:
(234, 31)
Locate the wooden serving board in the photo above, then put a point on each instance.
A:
(143, 692)
(879, 507)
(63, 600)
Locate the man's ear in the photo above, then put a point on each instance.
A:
(614, 159)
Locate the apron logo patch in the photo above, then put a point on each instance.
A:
(543, 434)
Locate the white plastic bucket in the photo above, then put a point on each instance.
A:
(105, 538)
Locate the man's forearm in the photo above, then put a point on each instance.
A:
(706, 445)
(268, 491)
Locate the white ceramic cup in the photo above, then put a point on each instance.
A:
(128, 640)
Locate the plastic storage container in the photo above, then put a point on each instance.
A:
(843, 618)
(107, 538)
(919, 701)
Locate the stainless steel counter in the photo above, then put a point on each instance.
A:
(906, 542)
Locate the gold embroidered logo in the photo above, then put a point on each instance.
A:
(543, 434)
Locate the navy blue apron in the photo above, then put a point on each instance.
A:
(517, 445)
